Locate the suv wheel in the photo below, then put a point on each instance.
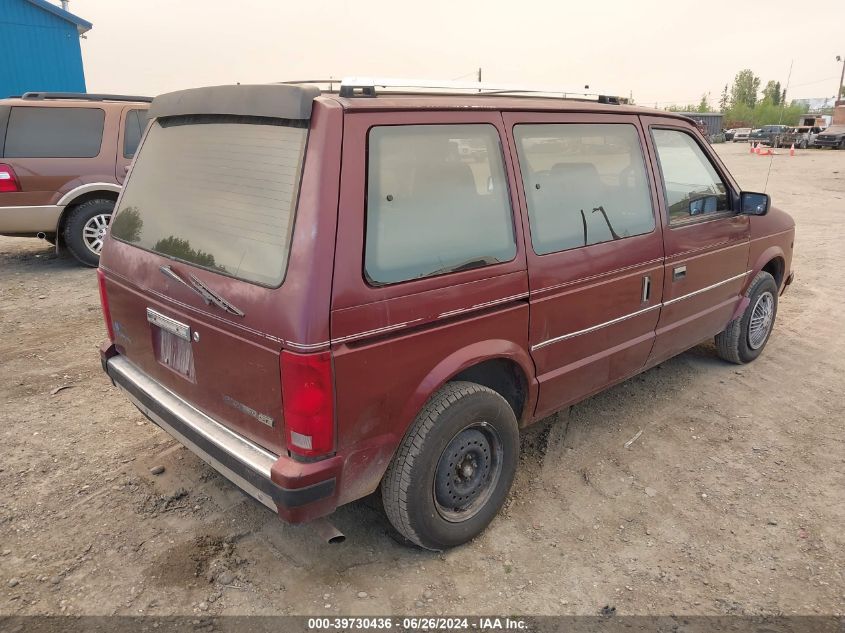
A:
(744, 338)
(454, 468)
(85, 230)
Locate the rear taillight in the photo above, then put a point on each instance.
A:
(8, 180)
(104, 303)
(308, 403)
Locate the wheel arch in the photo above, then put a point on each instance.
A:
(772, 261)
(502, 365)
(81, 198)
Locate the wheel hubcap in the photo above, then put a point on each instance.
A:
(762, 317)
(94, 232)
(468, 472)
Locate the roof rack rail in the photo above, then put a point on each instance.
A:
(367, 87)
(83, 96)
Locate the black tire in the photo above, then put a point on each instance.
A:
(74, 237)
(420, 476)
(734, 344)
(802, 145)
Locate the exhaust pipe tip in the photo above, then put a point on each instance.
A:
(41, 235)
(327, 531)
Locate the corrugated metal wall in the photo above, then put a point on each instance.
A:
(713, 120)
(39, 51)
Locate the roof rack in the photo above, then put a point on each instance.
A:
(83, 96)
(367, 87)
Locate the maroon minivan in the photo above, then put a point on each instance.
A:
(321, 293)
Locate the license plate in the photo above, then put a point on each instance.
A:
(175, 353)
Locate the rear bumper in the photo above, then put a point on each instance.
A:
(29, 220)
(297, 491)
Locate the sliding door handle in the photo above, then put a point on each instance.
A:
(646, 288)
(679, 272)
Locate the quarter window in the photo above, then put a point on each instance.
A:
(437, 201)
(691, 184)
(584, 184)
(133, 130)
(36, 132)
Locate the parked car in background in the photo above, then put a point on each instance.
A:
(741, 134)
(382, 309)
(801, 137)
(768, 134)
(63, 159)
(834, 137)
(729, 134)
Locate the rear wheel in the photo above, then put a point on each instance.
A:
(802, 145)
(744, 338)
(86, 228)
(454, 468)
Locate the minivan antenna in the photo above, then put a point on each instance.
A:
(780, 122)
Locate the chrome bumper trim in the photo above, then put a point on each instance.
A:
(247, 455)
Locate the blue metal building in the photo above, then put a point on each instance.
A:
(39, 46)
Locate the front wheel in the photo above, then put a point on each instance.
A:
(86, 228)
(744, 338)
(454, 468)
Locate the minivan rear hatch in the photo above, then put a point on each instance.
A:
(199, 245)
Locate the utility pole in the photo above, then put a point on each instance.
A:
(839, 95)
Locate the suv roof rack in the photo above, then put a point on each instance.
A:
(83, 96)
(367, 87)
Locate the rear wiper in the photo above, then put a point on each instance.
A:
(167, 271)
(215, 298)
(207, 294)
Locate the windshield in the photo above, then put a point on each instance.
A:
(217, 192)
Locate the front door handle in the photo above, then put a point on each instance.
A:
(646, 288)
(679, 272)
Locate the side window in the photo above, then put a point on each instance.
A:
(134, 126)
(36, 132)
(584, 184)
(690, 182)
(437, 201)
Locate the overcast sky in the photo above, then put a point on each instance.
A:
(662, 52)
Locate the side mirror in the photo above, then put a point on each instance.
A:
(754, 203)
(704, 204)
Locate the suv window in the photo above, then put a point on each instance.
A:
(133, 129)
(218, 192)
(437, 201)
(36, 132)
(691, 184)
(584, 184)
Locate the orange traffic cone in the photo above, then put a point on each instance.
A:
(751, 151)
(792, 150)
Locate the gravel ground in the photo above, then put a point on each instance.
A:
(731, 501)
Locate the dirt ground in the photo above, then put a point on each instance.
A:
(731, 501)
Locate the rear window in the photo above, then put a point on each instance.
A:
(36, 132)
(217, 192)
